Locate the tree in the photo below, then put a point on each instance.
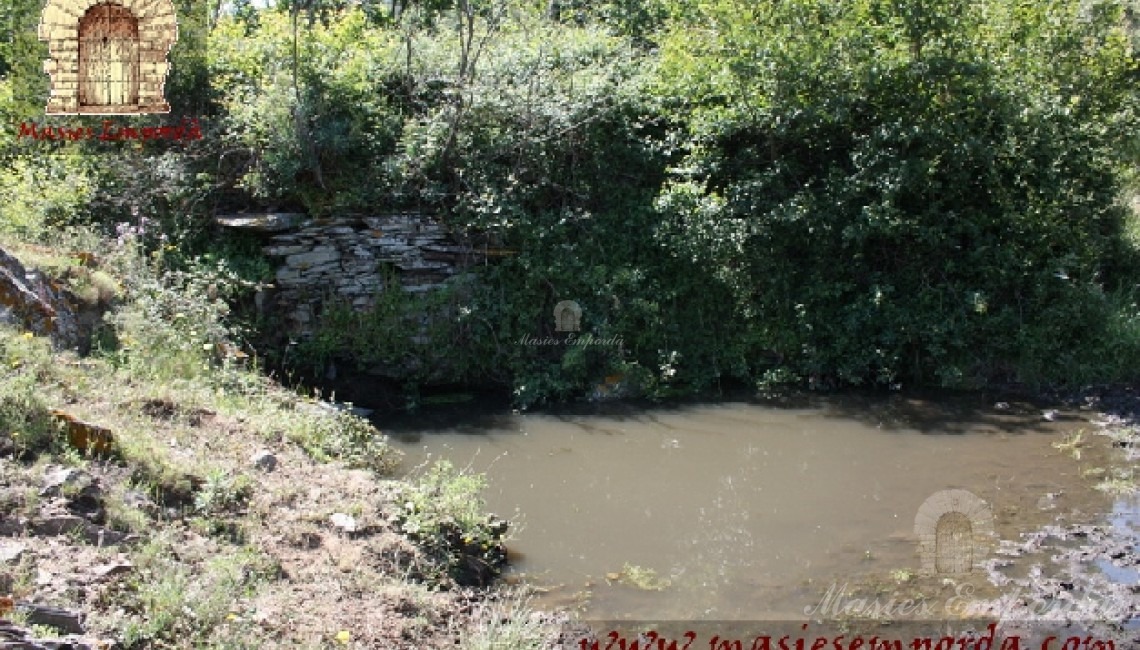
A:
(897, 186)
(23, 83)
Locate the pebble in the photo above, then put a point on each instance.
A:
(11, 552)
(264, 460)
(344, 522)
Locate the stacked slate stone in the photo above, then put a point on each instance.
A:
(354, 259)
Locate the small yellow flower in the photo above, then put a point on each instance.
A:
(343, 636)
(231, 617)
(28, 335)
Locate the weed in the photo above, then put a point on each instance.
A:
(221, 492)
(902, 575)
(173, 604)
(507, 624)
(1119, 482)
(40, 631)
(642, 578)
(124, 517)
(444, 512)
(345, 437)
(1072, 444)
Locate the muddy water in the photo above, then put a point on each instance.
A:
(751, 510)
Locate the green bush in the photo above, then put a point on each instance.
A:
(832, 193)
(40, 195)
(175, 320)
(912, 192)
(26, 426)
(444, 512)
(345, 437)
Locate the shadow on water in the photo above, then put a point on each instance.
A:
(927, 412)
(945, 413)
(493, 414)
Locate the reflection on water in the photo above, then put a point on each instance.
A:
(1125, 518)
(748, 510)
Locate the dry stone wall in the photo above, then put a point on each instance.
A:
(353, 260)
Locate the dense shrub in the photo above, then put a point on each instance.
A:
(907, 190)
(868, 192)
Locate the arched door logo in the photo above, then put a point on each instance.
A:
(567, 316)
(108, 57)
(955, 530)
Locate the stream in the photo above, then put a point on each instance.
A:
(758, 509)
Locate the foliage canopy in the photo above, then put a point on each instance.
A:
(838, 192)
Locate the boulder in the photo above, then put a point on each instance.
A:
(37, 304)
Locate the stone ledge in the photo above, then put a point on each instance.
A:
(267, 222)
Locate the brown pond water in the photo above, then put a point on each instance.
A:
(753, 510)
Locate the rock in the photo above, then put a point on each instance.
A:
(44, 577)
(264, 460)
(284, 250)
(287, 275)
(33, 302)
(11, 552)
(81, 492)
(1050, 415)
(344, 253)
(140, 501)
(57, 478)
(65, 620)
(90, 533)
(271, 222)
(317, 256)
(345, 523)
(112, 570)
(60, 525)
(12, 527)
(75, 484)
